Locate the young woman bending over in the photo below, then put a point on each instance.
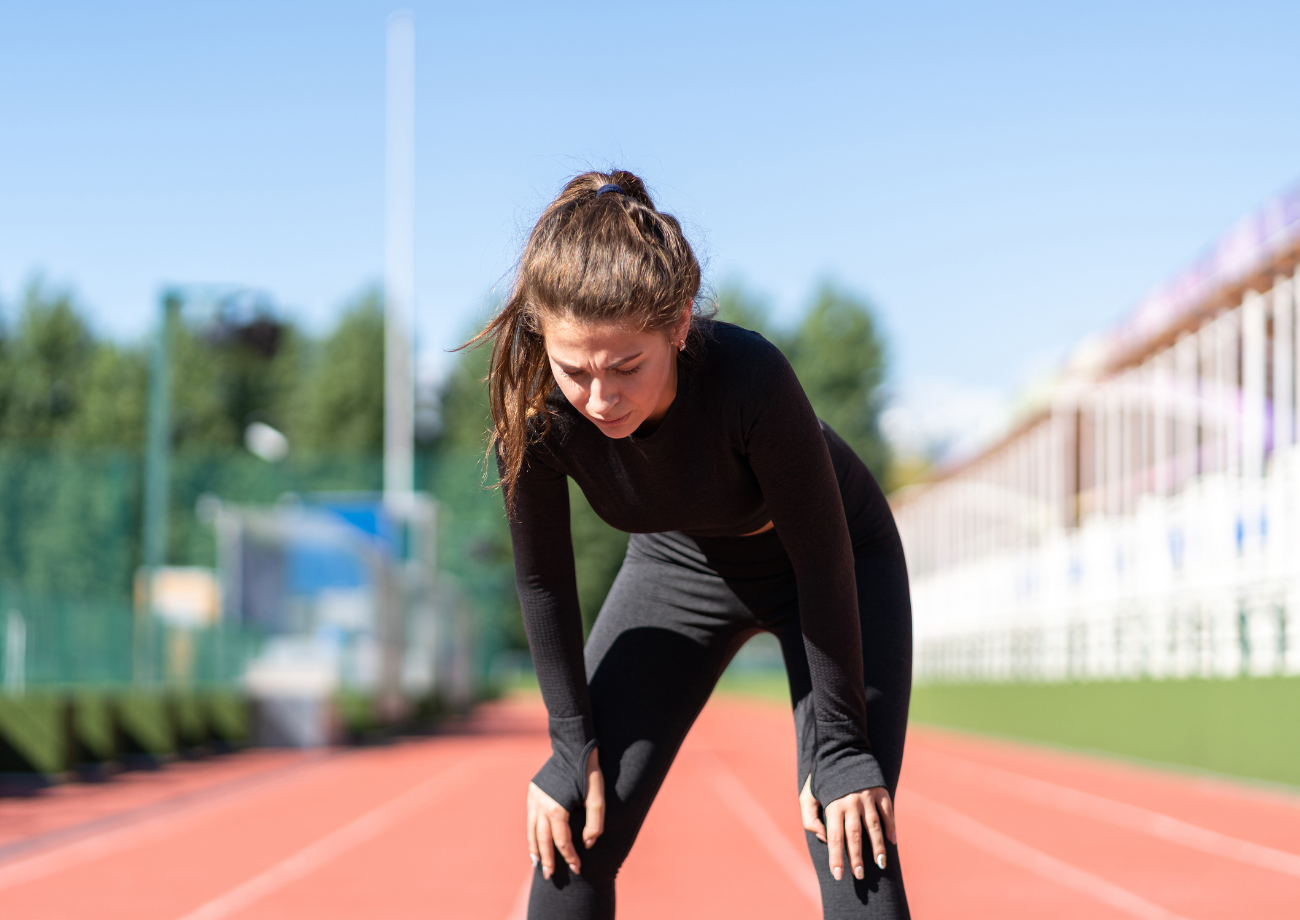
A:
(747, 514)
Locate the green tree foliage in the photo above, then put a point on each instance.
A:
(338, 404)
(744, 308)
(464, 417)
(474, 536)
(111, 403)
(840, 360)
(839, 357)
(44, 367)
(67, 516)
(73, 417)
(60, 383)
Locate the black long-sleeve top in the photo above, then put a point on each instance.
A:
(739, 446)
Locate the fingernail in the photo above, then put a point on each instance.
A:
(838, 873)
(880, 861)
(858, 873)
(575, 869)
(893, 838)
(533, 857)
(546, 873)
(821, 838)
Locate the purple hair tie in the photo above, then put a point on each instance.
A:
(609, 188)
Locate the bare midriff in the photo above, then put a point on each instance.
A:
(764, 529)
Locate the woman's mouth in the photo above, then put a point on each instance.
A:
(613, 422)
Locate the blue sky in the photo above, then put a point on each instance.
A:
(1000, 179)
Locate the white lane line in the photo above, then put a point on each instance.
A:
(1026, 857)
(1121, 814)
(150, 829)
(520, 909)
(752, 814)
(315, 855)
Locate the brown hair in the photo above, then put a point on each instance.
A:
(591, 257)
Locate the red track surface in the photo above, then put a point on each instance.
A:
(432, 828)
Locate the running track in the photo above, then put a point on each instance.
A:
(432, 828)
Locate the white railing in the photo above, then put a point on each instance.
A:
(1205, 582)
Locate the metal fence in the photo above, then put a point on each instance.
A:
(70, 550)
(1202, 583)
(52, 642)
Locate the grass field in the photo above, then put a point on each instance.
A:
(1244, 727)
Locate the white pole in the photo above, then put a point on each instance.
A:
(1124, 410)
(1114, 448)
(1283, 363)
(1160, 465)
(399, 264)
(1253, 334)
(1211, 423)
(1100, 432)
(1186, 411)
(1229, 343)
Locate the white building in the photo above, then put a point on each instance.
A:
(1145, 520)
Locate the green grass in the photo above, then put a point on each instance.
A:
(1245, 727)
(767, 685)
(760, 684)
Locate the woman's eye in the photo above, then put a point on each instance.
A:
(623, 373)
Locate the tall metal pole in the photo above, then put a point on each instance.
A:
(156, 478)
(399, 264)
(158, 436)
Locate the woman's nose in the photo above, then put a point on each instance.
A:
(603, 396)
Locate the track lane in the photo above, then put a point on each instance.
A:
(165, 868)
(1121, 815)
(987, 829)
(1064, 874)
(1172, 873)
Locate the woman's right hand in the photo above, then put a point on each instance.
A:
(548, 823)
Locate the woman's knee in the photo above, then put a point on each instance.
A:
(606, 855)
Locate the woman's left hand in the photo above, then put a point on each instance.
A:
(846, 817)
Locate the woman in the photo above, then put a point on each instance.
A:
(746, 514)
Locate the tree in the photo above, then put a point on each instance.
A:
(339, 401)
(837, 354)
(111, 402)
(68, 517)
(43, 366)
(740, 306)
(840, 360)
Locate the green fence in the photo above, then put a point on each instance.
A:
(70, 544)
(85, 680)
(57, 642)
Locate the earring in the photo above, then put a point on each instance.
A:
(681, 346)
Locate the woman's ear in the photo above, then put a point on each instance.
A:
(683, 326)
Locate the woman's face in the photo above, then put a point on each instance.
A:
(616, 375)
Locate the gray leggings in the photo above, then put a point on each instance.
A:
(679, 609)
